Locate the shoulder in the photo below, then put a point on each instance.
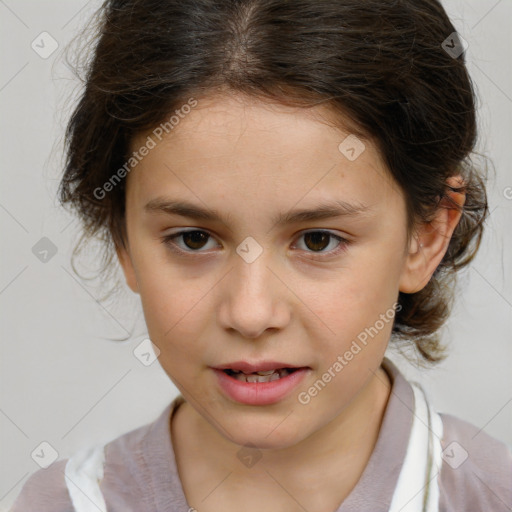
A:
(46, 490)
(477, 469)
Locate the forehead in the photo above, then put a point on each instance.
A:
(235, 143)
(239, 116)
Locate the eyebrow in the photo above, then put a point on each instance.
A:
(330, 209)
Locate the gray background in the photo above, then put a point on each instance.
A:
(64, 384)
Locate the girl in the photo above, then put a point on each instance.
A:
(287, 186)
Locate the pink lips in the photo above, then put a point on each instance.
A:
(258, 393)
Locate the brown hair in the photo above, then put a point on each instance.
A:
(379, 62)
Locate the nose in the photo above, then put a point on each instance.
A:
(254, 298)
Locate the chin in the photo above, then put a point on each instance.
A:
(266, 436)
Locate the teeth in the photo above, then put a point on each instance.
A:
(266, 376)
(256, 378)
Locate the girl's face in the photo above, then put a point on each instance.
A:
(254, 281)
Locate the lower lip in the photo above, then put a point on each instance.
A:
(259, 393)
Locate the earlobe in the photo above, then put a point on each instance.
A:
(127, 265)
(430, 243)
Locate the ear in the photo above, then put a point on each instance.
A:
(430, 243)
(125, 260)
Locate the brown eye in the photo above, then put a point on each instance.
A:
(317, 240)
(193, 240)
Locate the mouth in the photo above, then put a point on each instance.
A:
(261, 375)
(261, 383)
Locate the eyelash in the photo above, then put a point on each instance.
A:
(168, 241)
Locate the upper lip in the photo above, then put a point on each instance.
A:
(245, 366)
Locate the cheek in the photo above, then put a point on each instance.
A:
(358, 311)
(364, 290)
(173, 307)
(174, 324)
(172, 311)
